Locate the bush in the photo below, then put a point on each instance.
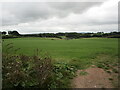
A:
(26, 71)
(9, 36)
(61, 75)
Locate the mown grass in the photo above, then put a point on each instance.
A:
(71, 51)
(66, 49)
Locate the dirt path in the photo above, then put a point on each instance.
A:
(92, 78)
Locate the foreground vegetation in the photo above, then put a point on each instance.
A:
(37, 71)
(66, 57)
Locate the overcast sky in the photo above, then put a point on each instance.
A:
(36, 17)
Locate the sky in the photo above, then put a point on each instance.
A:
(52, 17)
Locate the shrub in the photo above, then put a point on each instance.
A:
(61, 75)
(25, 71)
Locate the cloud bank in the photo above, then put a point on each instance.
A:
(60, 16)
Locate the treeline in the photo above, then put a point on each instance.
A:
(11, 34)
(98, 34)
(68, 35)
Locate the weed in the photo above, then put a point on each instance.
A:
(83, 73)
(110, 78)
(115, 70)
(108, 71)
(62, 73)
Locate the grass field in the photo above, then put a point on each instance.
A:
(79, 53)
(66, 50)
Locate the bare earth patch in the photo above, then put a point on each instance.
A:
(96, 78)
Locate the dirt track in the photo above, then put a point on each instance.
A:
(96, 78)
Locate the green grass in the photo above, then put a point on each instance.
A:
(76, 48)
(83, 73)
(79, 50)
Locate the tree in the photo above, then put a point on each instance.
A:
(72, 35)
(4, 33)
(13, 33)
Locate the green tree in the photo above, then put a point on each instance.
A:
(13, 33)
(4, 33)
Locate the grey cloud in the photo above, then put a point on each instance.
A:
(75, 7)
(15, 13)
